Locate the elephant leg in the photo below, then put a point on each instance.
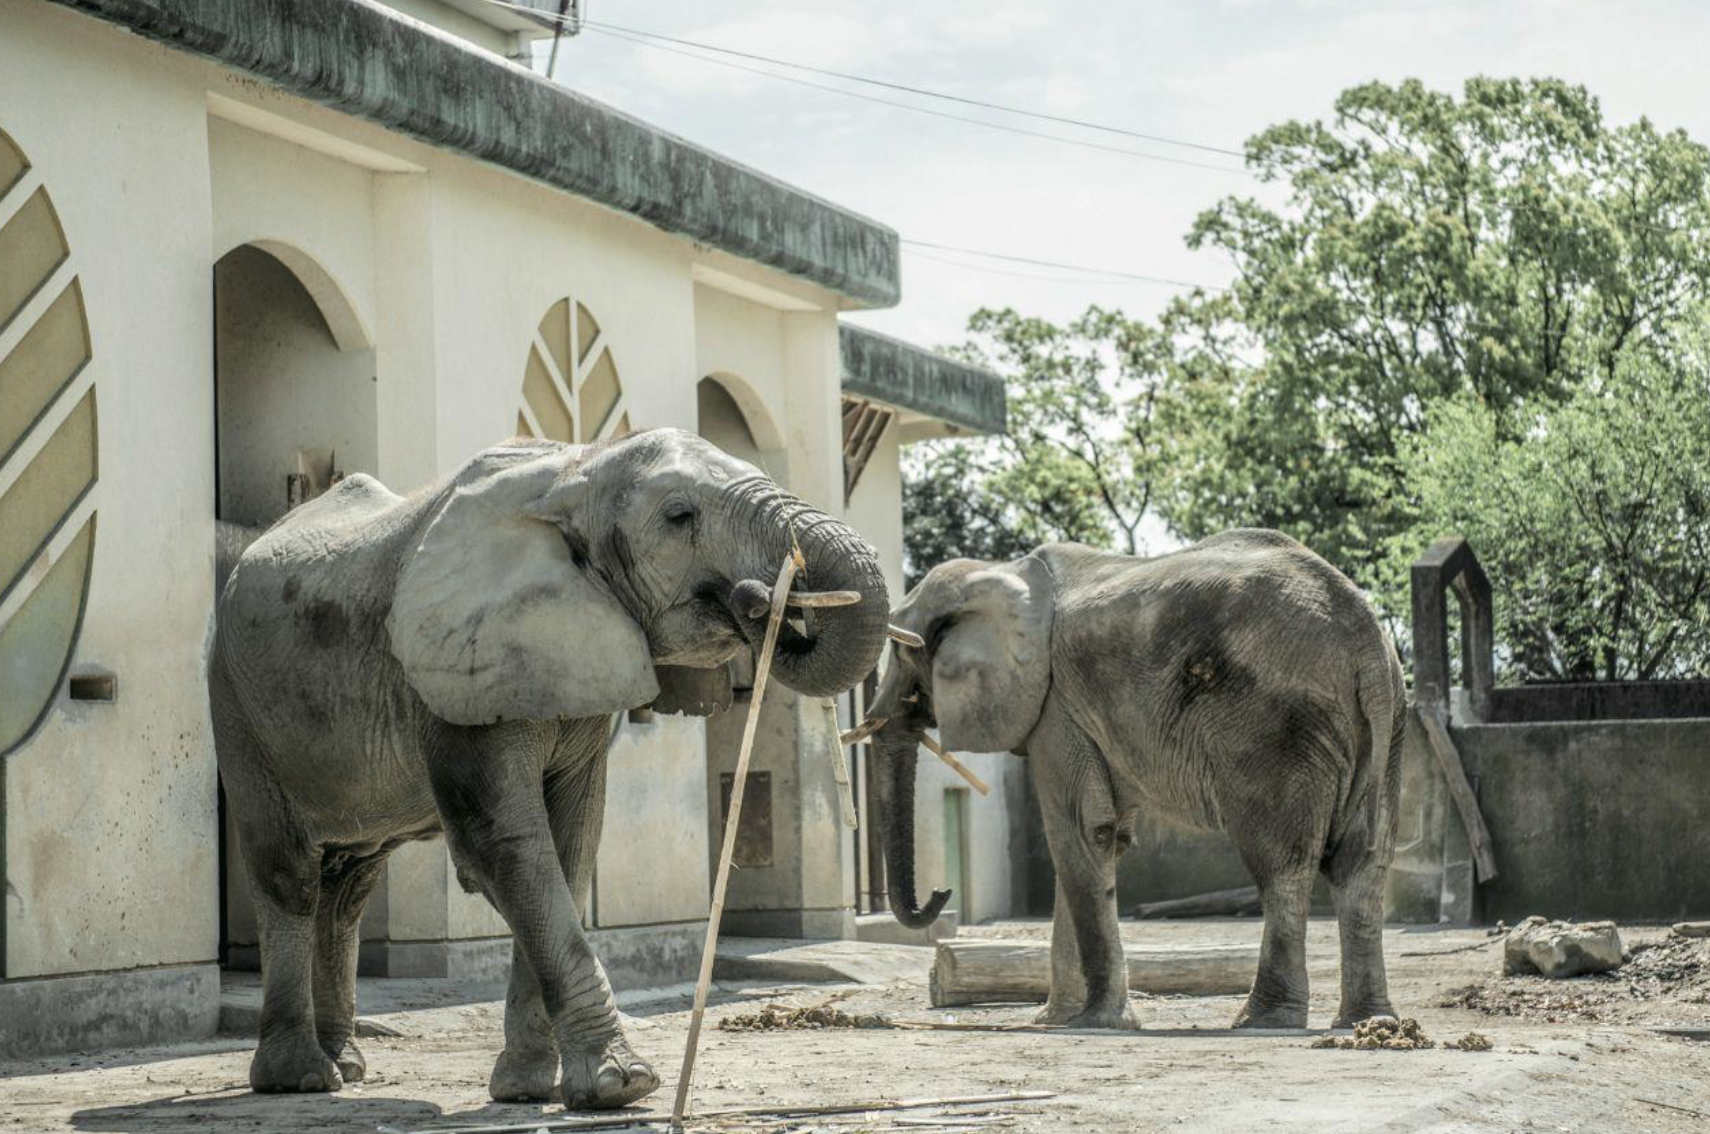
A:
(492, 800)
(528, 1067)
(1068, 988)
(1279, 995)
(285, 883)
(1358, 896)
(1081, 830)
(344, 889)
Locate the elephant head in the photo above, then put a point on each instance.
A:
(973, 659)
(565, 581)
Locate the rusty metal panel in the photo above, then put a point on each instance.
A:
(754, 830)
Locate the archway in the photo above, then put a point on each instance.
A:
(295, 410)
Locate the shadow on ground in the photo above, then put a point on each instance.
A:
(242, 1110)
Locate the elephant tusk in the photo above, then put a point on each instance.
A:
(824, 598)
(861, 731)
(907, 638)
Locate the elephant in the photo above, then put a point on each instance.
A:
(1240, 683)
(388, 668)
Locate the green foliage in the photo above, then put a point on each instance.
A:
(1592, 515)
(1508, 245)
(1079, 461)
(1449, 314)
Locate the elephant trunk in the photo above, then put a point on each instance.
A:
(895, 753)
(844, 642)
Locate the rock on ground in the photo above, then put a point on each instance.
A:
(1561, 949)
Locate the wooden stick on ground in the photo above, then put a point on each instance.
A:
(762, 671)
(956, 765)
(606, 1122)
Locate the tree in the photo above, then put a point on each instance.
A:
(1509, 246)
(1079, 460)
(1436, 291)
(1592, 514)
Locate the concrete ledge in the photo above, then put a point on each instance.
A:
(901, 374)
(483, 961)
(132, 1008)
(887, 930)
(755, 959)
(650, 956)
(366, 61)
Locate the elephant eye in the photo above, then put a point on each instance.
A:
(680, 513)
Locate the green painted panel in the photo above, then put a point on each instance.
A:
(46, 491)
(955, 841)
(31, 247)
(12, 163)
(48, 356)
(36, 643)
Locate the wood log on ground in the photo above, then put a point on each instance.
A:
(1243, 901)
(992, 970)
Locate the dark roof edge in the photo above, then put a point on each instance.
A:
(363, 60)
(901, 374)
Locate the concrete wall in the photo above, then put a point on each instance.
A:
(429, 274)
(110, 850)
(1593, 819)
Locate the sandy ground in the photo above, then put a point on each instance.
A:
(1566, 1073)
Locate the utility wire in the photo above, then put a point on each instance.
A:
(904, 87)
(601, 30)
(1113, 276)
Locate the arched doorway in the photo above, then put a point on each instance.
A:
(295, 410)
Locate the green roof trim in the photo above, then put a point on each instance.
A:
(901, 374)
(364, 60)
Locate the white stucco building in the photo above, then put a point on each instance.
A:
(246, 247)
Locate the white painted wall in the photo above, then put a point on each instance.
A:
(110, 842)
(431, 272)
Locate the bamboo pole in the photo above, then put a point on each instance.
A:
(762, 671)
(956, 765)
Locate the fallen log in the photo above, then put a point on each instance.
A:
(980, 971)
(1243, 901)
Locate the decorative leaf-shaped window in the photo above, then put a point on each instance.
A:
(47, 451)
(571, 390)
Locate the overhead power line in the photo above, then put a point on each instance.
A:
(1061, 119)
(1111, 275)
(1081, 142)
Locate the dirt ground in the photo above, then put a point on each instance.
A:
(1566, 1056)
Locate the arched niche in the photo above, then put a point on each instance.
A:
(294, 382)
(732, 416)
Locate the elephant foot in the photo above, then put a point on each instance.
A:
(352, 1064)
(1055, 1014)
(521, 1075)
(1119, 1018)
(607, 1077)
(293, 1064)
(1271, 1016)
(1348, 1017)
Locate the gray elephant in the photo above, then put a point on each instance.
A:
(387, 668)
(1241, 683)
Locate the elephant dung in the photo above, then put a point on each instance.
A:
(1559, 949)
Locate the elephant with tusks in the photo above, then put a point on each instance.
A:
(388, 668)
(1241, 683)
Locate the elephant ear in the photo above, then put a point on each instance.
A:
(493, 619)
(992, 664)
(691, 691)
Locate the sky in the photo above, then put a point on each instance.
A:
(1213, 72)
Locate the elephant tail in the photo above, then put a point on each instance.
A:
(1383, 700)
